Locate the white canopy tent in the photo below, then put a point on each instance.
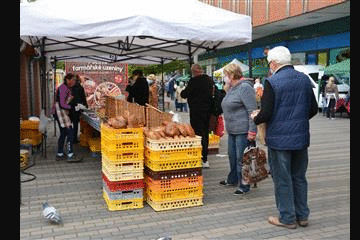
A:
(243, 66)
(117, 30)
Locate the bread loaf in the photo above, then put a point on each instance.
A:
(133, 121)
(182, 129)
(189, 130)
(171, 130)
(118, 122)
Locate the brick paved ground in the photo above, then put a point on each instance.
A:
(75, 190)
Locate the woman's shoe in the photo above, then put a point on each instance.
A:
(239, 192)
(60, 156)
(225, 183)
(72, 159)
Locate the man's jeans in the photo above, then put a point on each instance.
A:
(288, 169)
(236, 147)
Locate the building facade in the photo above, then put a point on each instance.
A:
(267, 11)
(316, 32)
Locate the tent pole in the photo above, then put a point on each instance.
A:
(250, 60)
(43, 74)
(162, 85)
(54, 86)
(190, 54)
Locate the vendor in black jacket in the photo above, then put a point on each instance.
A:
(139, 91)
(79, 97)
(198, 94)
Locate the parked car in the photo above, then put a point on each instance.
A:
(315, 73)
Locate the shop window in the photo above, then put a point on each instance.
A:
(311, 59)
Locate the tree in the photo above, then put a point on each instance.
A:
(157, 68)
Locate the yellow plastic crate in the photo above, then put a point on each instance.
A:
(162, 144)
(165, 165)
(121, 134)
(123, 155)
(173, 154)
(115, 205)
(122, 175)
(94, 144)
(130, 165)
(122, 144)
(214, 140)
(174, 204)
(174, 194)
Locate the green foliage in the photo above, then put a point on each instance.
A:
(60, 65)
(157, 68)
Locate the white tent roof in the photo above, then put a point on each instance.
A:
(127, 30)
(243, 66)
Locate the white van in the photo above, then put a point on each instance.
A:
(315, 73)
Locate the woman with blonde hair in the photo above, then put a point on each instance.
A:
(332, 94)
(238, 103)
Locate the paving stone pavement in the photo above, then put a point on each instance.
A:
(75, 189)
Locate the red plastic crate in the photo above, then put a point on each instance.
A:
(123, 185)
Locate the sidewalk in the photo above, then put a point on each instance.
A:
(75, 189)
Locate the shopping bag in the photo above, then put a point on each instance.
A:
(219, 127)
(253, 165)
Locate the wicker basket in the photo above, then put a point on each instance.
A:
(116, 107)
(155, 117)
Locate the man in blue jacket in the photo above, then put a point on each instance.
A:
(287, 105)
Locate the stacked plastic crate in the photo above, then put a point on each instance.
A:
(173, 173)
(122, 167)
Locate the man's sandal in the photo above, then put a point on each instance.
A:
(275, 221)
(302, 223)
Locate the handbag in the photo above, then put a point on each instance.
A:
(217, 96)
(219, 127)
(253, 164)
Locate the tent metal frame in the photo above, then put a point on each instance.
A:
(120, 50)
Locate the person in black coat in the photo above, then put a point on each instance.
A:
(198, 94)
(79, 97)
(139, 90)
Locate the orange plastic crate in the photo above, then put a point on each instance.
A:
(177, 183)
(28, 124)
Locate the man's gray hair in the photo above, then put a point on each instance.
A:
(280, 55)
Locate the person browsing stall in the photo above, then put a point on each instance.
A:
(287, 105)
(198, 95)
(238, 103)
